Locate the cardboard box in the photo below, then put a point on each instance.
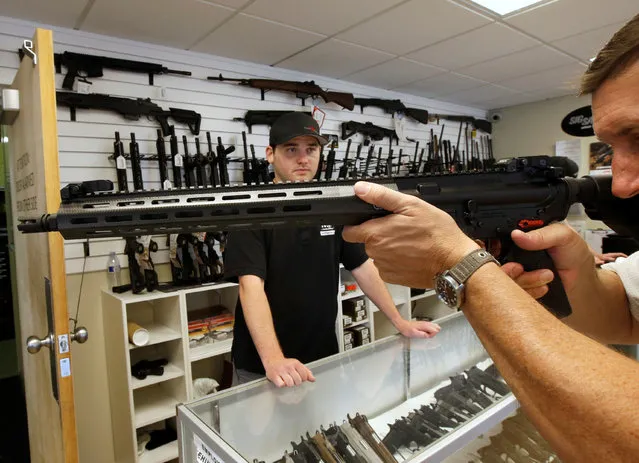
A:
(348, 336)
(346, 320)
(348, 346)
(352, 306)
(360, 315)
(361, 333)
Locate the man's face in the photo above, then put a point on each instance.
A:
(295, 160)
(615, 110)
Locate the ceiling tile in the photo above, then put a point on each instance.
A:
(473, 47)
(335, 58)
(479, 94)
(335, 15)
(553, 93)
(177, 24)
(508, 100)
(237, 4)
(252, 39)
(563, 18)
(588, 44)
(517, 64)
(59, 13)
(394, 73)
(563, 77)
(443, 84)
(414, 25)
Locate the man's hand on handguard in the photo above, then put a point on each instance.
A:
(417, 329)
(287, 372)
(412, 245)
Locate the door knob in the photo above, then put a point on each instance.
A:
(34, 343)
(80, 335)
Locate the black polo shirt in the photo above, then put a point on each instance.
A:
(300, 269)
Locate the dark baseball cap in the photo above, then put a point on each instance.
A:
(294, 124)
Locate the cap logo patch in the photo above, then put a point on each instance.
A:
(312, 129)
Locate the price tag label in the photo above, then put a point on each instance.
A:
(120, 162)
(179, 161)
(399, 128)
(203, 454)
(319, 116)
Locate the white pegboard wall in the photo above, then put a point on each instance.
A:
(85, 145)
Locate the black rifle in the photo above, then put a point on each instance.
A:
(261, 117)
(247, 172)
(369, 159)
(520, 193)
(200, 164)
(189, 164)
(260, 168)
(393, 107)
(212, 160)
(130, 109)
(343, 170)
(222, 152)
(320, 165)
(136, 168)
(479, 124)
(176, 160)
(84, 66)
(330, 162)
(165, 184)
(354, 172)
(302, 90)
(369, 130)
(120, 163)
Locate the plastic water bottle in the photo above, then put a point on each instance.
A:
(113, 271)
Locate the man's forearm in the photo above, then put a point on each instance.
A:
(257, 313)
(373, 286)
(600, 309)
(547, 364)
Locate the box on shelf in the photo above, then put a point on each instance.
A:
(347, 320)
(361, 335)
(354, 308)
(348, 346)
(348, 337)
(210, 324)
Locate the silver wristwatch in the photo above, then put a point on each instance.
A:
(449, 285)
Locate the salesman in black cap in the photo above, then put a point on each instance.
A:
(288, 277)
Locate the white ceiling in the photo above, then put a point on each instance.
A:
(451, 50)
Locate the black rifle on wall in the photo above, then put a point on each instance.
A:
(261, 117)
(393, 107)
(88, 66)
(369, 130)
(479, 124)
(131, 109)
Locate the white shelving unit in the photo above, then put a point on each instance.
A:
(141, 403)
(425, 305)
(136, 403)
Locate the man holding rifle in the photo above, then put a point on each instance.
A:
(581, 395)
(289, 277)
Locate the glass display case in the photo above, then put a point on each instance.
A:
(393, 384)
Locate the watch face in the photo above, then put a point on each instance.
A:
(448, 291)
